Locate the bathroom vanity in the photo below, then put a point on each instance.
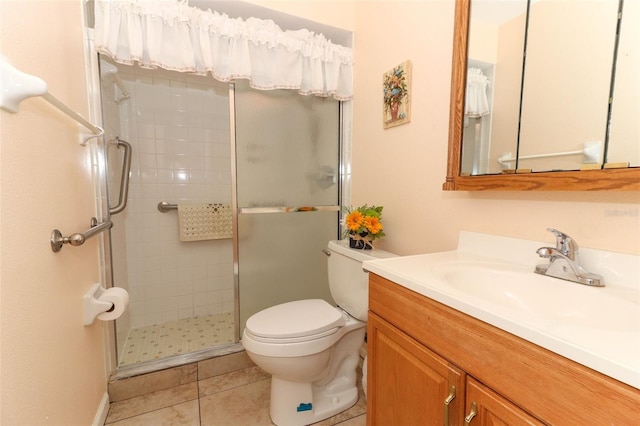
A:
(439, 354)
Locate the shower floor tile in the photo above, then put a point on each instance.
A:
(177, 337)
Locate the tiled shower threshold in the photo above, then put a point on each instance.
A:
(175, 361)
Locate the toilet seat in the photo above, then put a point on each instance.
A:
(282, 340)
(309, 327)
(298, 321)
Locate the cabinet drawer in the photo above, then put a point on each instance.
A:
(484, 407)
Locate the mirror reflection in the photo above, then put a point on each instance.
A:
(624, 134)
(496, 49)
(548, 109)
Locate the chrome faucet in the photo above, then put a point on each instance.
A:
(564, 262)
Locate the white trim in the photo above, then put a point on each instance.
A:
(103, 409)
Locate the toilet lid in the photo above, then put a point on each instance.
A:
(295, 319)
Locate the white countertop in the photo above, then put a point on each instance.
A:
(593, 342)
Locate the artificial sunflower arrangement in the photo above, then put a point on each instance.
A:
(363, 225)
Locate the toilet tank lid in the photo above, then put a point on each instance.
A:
(295, 319)
(342, 247)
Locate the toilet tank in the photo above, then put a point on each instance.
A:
(348, 283)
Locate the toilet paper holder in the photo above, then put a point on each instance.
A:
(94, 306)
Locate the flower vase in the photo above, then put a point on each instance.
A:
(395, 106)
(360, 241)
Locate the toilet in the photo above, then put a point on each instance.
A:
(311, 348)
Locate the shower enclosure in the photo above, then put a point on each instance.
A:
(272, 157)
(476, 146)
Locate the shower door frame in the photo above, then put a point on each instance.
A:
(98, 164)
(234, 213)
(344, 175)
(100, 179)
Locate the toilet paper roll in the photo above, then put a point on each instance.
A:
(120, 299)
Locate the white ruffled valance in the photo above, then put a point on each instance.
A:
(476, 102)
(174, 36)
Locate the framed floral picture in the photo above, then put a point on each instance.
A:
(396, 89)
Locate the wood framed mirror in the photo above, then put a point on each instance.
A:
(602, 179)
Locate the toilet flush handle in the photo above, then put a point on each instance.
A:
(327, 252)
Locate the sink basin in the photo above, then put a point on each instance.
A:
(550, 301)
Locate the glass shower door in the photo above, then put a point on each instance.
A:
(288, 189)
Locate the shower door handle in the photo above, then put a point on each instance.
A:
(124, 180)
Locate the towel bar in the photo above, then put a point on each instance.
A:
(591, 152)
(18, 86)
(288, 209)
(164, 207)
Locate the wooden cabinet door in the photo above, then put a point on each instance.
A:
(407, 383)
(491, 409)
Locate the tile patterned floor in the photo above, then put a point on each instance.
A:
(177, 337)
(235, 398)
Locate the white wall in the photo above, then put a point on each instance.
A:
(52, 369)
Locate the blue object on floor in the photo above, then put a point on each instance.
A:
(304, 407)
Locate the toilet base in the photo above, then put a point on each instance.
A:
(297, 404)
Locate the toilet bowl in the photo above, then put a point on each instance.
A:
(311, 348)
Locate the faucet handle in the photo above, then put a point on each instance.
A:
(565, 244)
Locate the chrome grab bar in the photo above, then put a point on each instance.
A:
(124, 180)
(57, 240)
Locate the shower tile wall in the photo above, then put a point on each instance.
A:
(179, 128)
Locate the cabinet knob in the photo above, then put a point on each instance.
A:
(472, 413)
